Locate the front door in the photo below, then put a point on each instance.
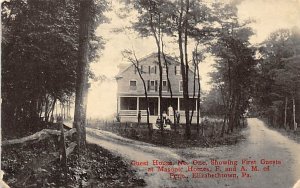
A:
(153, 106)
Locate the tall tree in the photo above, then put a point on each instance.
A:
(197, 58)
(131, 56)
(150, 23)
(82, 78)
(90, 14)
(39, 53)
(166, 65)
(236, 66)
(181, 20)
(278, 94)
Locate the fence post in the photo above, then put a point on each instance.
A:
(63, 154)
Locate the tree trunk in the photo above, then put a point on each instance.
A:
(146, 96)
(224, 124)
(198, 100)
(169, 83)
(68, 108)
(46, 108)
(232, 114)
(82, 77)
(160, 91)
(64, 111)
(294, 114)
(186, 86)
(184, 67)
(157, 40)
(53, 106)
(285, 112)
(194, 92)
(63, 154)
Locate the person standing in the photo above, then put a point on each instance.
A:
(177, 115)
(170, 111)
(139, 117)
(164, 117)
(52, 119)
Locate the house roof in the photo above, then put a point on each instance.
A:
(124, 67)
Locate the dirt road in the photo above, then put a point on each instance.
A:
(269, 159)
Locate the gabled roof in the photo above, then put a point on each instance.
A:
(124, 67)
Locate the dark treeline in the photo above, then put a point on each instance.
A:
(40, 42)
(278, 83)
(262, 82)
(235, 70)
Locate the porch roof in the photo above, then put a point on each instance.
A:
(167, 94)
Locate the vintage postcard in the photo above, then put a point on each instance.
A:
(150, 93)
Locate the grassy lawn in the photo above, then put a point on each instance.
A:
(171, 138)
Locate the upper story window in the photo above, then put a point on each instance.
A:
(152, 69)
(177, 70)
(152, 85)
(140, 68)
(165, 85)
(132, 84)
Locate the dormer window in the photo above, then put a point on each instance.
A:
(152, 69)
(140, 68)
(132, 85)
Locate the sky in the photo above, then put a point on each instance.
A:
(269, 15)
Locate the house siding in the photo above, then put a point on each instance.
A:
(129, 73)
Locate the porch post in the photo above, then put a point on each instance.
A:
(158, 106)
(137, 105)
(2, 183)
(178, 104)
(119, 104)
(118, 101)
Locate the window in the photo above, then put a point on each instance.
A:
(132, 85)
(177, 70)
(138, 69)
(152, 69)
(165, 85)
(180, 85)
(152, 85)
(128, 103)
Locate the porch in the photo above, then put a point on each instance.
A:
(128, 108)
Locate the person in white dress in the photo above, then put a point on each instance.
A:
(170, 111)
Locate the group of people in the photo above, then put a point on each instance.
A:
(166, 117)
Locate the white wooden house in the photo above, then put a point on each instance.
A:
(131, 96)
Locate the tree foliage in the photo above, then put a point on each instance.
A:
(182, 20)
(40, 53)
(235, 66)
(278, 82)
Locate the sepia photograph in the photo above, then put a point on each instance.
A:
(150, 93)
